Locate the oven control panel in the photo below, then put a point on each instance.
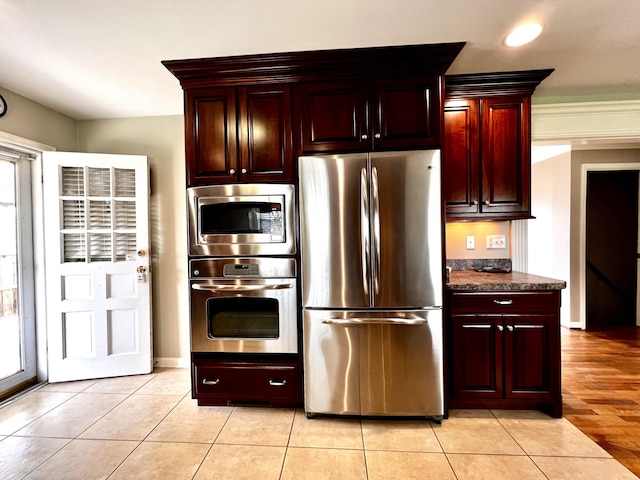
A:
(241, 269)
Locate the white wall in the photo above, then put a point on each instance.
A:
(549, 239)
(162, 140)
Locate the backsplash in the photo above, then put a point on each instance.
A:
(497, 233)
(472, 264)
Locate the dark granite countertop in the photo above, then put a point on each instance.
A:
(472, 280)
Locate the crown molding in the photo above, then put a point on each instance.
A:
(608, 120)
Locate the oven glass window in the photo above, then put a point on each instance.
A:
(241, 218)
(243, 317)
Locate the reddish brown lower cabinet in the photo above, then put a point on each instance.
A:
(504, 350)
(266, 382)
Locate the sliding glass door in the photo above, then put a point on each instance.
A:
(17, 322)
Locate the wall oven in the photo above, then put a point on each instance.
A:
(241, 220)
(243, 305)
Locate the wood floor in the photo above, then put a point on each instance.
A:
(601, 389)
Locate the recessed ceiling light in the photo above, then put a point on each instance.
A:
(523, 34)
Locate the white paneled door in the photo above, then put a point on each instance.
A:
(98, 279)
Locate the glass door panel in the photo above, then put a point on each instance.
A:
(17, 340)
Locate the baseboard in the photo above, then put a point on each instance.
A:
(171, 362)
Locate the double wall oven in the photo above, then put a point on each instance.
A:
(242, 270)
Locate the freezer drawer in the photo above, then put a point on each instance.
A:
(373, 363)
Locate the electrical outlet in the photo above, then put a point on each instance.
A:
(496, 241)
(471, 242)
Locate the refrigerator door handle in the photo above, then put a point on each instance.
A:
(364, 229)
(374, 321)
(375, 215)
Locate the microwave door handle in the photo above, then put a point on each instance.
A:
(375, 214)
(240, 288)
(364, 229)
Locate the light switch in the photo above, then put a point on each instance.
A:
(471, 242)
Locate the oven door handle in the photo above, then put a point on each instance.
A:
(375, 321)
(240, 288)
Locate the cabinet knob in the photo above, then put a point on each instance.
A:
(244, 170)
(500, 327)
(510, 328)
(475, 202)
(487, 202)
(232, 171)
(377, 135)
(364, 136)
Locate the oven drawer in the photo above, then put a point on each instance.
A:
(239, 383)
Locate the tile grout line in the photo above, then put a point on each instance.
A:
(286, 448)
(517, 443)
(446, 456)
(212, 443)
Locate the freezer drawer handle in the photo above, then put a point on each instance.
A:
(503, 302)
(210, 381)
(375, 321)
(277, 383)
(240, 288)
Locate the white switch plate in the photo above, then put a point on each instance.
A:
(496, 241)
(471, 242)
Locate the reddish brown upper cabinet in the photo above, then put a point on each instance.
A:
(248, 117)
(238, 134)
(505, 350)
(368, 115)
(487, 145)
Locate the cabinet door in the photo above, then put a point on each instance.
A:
(476, 356)
(333, 117)
(210, 129)
(265, 133)
(531, 341)
(406, 114)
(460, 158)
(506, 155)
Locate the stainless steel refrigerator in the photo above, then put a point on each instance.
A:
(371, 249)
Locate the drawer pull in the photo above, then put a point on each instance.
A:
(503, 302)
(210, 381)
(277, 383)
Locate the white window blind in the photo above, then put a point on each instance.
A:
(98, 214)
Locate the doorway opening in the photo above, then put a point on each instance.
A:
(584, 269)
(611, 248)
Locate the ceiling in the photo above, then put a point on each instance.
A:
(97, 59)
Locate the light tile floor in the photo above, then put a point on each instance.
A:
(148, 427)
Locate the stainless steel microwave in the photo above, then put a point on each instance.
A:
(241, 219)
